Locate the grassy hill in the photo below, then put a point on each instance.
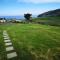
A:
(55, 21)
(32, 41)
(49, 18)
(50, 13)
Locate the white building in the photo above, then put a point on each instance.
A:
(2, 21)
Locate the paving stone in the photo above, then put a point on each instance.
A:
(4, 32)
(7, 40)
(6, 36)
(10, 48)
(8, 44)
(11, 55)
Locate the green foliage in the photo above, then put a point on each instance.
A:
(2, 47)
(27, 16)
(48, 20)
(34, 41)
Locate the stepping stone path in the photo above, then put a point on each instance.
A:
(11, 55)
(9, 46)
(7, 41)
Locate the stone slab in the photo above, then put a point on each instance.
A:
(5, 34)
(8, 44)
(11, 55)
(6, 38)
(7, 41)
(10, 48)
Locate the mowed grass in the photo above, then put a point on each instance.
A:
(33, 41)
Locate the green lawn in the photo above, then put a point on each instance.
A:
(32, 41)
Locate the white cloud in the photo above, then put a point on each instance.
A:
(39, 1)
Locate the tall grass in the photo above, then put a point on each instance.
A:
(34, 41)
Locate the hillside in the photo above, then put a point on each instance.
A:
(32, 41)
(50, 13)
(49, 18)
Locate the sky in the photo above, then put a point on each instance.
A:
(20, 7)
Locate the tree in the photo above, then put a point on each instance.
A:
(27, 16)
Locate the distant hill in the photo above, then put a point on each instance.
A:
(50, 13)
(49, 18)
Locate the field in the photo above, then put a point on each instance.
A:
(32, 41)
(54, 21)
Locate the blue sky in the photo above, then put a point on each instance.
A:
(19, 7)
